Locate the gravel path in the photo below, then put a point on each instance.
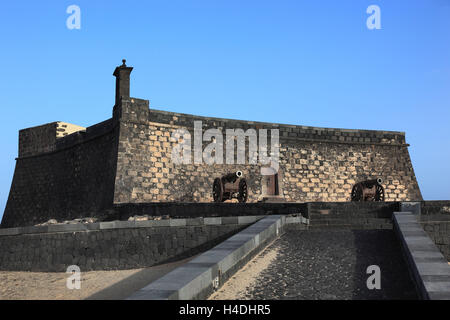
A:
(328, 264)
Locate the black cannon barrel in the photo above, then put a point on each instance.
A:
(231, 177)
(373, 181)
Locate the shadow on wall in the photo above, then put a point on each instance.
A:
(381, 248)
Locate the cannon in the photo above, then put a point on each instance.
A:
(369, 190)
(230, 186)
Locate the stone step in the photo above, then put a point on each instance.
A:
(273, 199)
(362, 223)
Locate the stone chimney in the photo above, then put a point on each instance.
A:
(122, 74)
(127, 108)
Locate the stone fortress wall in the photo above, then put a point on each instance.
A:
(316, 164)
(127, 159)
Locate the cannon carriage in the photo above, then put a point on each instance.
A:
(369, 190)
(230, 186)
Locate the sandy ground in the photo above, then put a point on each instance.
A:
(94, 284)
(237, 286)
(41, 285)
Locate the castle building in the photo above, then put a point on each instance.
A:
(64, 170)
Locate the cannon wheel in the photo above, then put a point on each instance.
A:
(379, 196)
(357, 192)
(217, 190)
(243, 191)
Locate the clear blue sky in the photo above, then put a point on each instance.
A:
(301, 62)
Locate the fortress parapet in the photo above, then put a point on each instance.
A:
(41, 139)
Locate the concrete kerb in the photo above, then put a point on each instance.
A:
(413, 207)
(78, 227)
(299, 219)
(198, 278)
(426, 264)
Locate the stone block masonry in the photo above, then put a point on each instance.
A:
(316, 164)
(64, 171)
(112, 245)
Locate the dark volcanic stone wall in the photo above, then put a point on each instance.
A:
(74, 180)
(435, 219)
(439, 232)
(37, 139)
(202, 209)
(114, 249)
(351, 215)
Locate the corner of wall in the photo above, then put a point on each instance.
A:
(131, 109)
(131, 116)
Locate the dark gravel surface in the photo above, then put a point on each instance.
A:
(332, 264)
